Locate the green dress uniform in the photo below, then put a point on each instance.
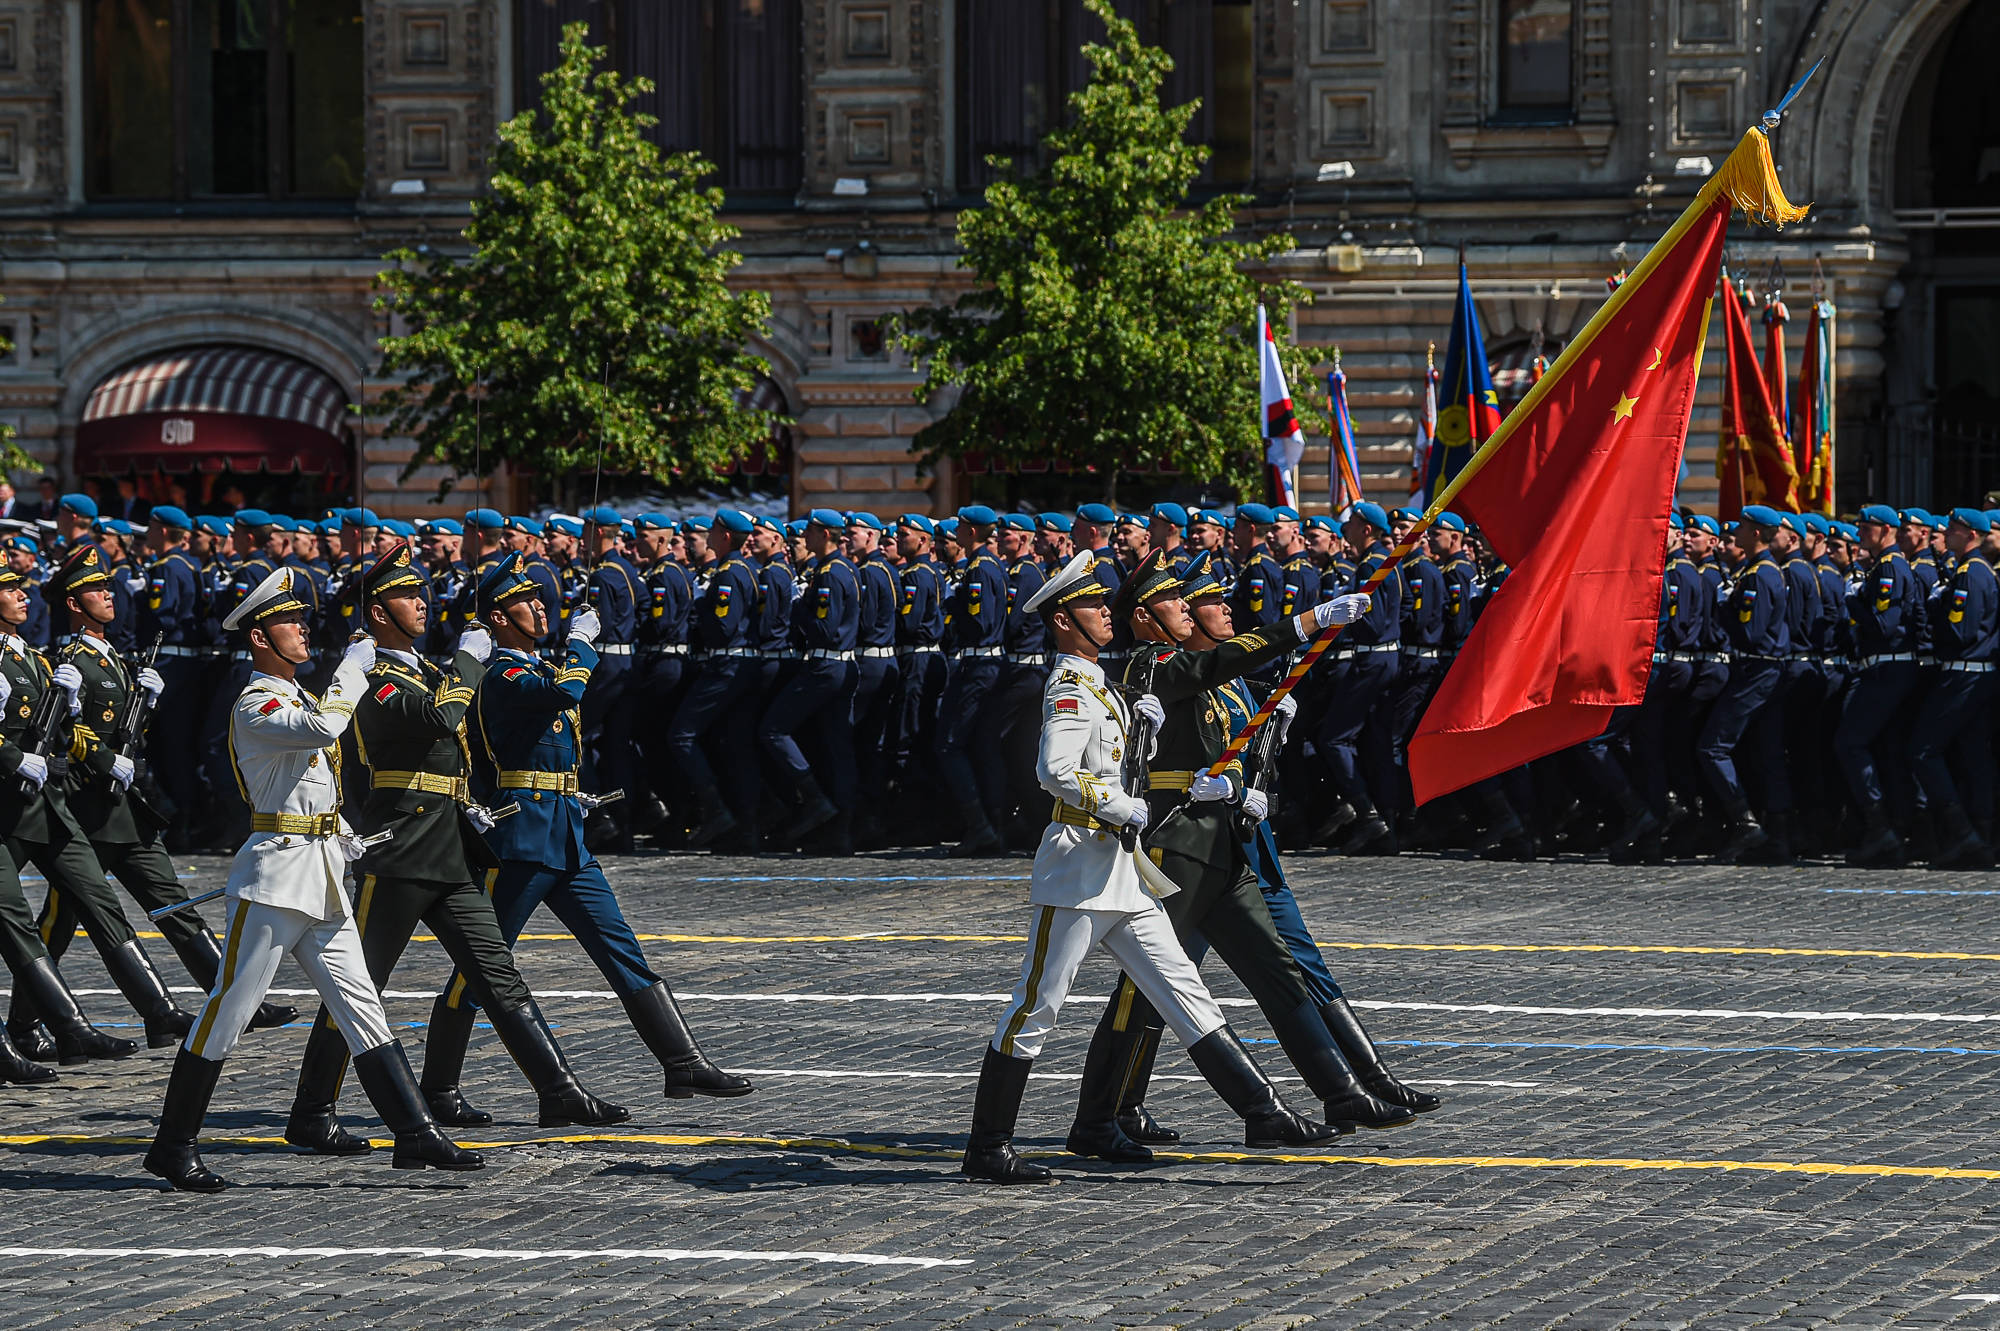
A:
(409, 730)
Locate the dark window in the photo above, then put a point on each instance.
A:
(1018, 61)
(1535, 60)
(728, 76)
(193, 99)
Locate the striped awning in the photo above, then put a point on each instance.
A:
(233, 381)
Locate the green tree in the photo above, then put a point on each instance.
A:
(1110, 325)
(591, 311)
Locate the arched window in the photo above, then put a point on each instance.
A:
(235, 99)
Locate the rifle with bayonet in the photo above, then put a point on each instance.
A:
(1262, 759)
(128, 738)
(1138, 749)
(43, 737)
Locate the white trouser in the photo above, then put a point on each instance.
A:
(329, 951)
(1142, 942)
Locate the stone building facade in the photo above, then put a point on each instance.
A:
(182, 174)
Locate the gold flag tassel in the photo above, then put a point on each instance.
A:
(1749, 180)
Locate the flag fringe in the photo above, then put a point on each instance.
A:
(1749, 180)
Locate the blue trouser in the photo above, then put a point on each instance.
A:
(1262, 851)
(1954, 720)
(721, 691)
(232, 813)
(173, 732)
(653, 695)
(1751, 684)
(607, 730)
(820, 695)
(1406, 698)
(1654, 757)
(877, 707)
(584, 902)
(1872, 703)
(968, 752)
(1354, 690)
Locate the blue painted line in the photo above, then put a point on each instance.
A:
(1679, 1048)
(1912, 891)
(870, 878)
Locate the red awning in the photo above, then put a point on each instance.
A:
(215, 409)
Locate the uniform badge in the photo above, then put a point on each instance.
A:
(110, 715)
(386, 692)
(556, 729)
(512, 671)
(1065, 704)
(269, 707)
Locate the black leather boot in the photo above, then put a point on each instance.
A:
(658, 1020)
(1134, 1118)
(25, 1029)
(1096, 1133)
(1309, 1044)
(533, 1045)
(313, 1123)
(1366, 1060)
(1959, 846)
(444, 1064)
(202, 956)
(716, 820)
(815, 809)
(1879, 847)
(392, 1088)
(19, 1070)
(980, 837)
(1245, 1089)
(173, 1156)
(132, 971)
(76, 1040)
(990, 1156)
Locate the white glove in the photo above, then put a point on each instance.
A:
(70, 680)
(1256, 804)
(1205, 788)
(1123, 810)
(6, 690)
(150, 681)
(122, 772)
(34, 768)
(135, 585)
(584, 626)
(478, 644)
(360, 654)
(481, 820)
(1341, 609)
(1146, 707)
(1287, 707)
(351, 847)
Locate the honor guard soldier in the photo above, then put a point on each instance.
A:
(726, 677)
(123, 828)
(820, 693)
(968, 757)
(1956, 718)
(286, 895)
(526, 719)
(1366, 663)
(410, 732)
(920, 661)
(1090, 890)
(617, 591)
(1420, 667)
(877, 697)
(659, 665)
(1753, 615)
(563, 535)
(24, 558)
(228, 815)
(171, 611)
(1259, 599)
(1016, 696)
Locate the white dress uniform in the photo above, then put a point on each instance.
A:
(285, 892)
(1087, 889)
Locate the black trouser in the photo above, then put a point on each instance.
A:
(1016, 710)
(75, 872)
(147, 873)
(1954, 721)
(968, 756)
(1654, 750)
(173, 733)
(654, 693)
(1752, 681)
(230, 814)
(1403, 706)
(1870, 708)
(877, 706)
(818, 698)
(20, 941)
(607, 725)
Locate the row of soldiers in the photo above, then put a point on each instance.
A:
(760, 677)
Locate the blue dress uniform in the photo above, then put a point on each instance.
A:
(1659, 760)
(968, 758)
(1885, 614)
(1366, 663)
(770, 632)
(1420, 667)
(819, 694)
(35, 630)
(171, 611)
(617, 592)
(660, 663)
(527, 715)
(1755, 617)
(725, 679)
(1016, 703)
(230, 815)
(920, 661)
(1956, 720)
(877, 684)
(1259, 599)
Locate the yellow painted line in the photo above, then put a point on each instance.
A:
(1824, 1167)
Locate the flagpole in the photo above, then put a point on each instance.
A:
(1750, 182)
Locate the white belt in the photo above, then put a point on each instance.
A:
(1423, 653)
(878, 653)
(180, 651)
(919, 651)
(738, 652)
(982, 652)
(664, 649)
(613, 648)
(1027, 658)
(1880, 657)
(241, 656)
(1661, 658)
(773, 654)
(1966, 667)
(828, 654)
(1377, 647)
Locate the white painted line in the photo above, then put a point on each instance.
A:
(505, 1254)
(1975, 1298)
(972, 1074)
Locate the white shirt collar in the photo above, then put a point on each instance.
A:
(407, 658)
(1090, 670)
(275, 683)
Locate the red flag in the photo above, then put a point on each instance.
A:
(1752, 457)
(1575, 500)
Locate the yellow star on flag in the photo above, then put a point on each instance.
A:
(1623, 411)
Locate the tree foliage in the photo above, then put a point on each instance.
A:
(1110, 326)
(592, 308)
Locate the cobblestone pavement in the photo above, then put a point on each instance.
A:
(1677, 1097)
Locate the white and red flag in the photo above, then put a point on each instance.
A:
(1284, 445)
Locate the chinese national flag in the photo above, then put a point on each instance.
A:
(1574, 498)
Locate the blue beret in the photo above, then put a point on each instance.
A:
(1675, 521)
(1708, 524)
(1883, 514)
(767, 522)
(697, 522)
(329, 526)
(863, 518)
(485, 519)
(1101, 514)
(1919, 517)
(1762, 515)
(1411, 514)
(1257, 515)
(212, 523)
(1369, 512)
(20, 540)
(652, 522)
(447, 527)
(1452, 522)
(1017, 522)
(1847, 531)
(797, 527)
(917, 522)
(830, 518)
(1319, 522)
(1973, 518)
(116, 526)
(359, 517)
(736, 520)
(567, 526)
(1284, 513)
(978, 515)
(166, 515)
(252, 517)
(1208, 515)
(1816, 522)
(81, 505)
(603, 515)
(523, 523)
(1796, 522)
(1993, 516)
(947, 526)
(625, 526)
(1171, 513)
(1131, 520)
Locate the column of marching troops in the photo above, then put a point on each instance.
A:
(460, 716)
